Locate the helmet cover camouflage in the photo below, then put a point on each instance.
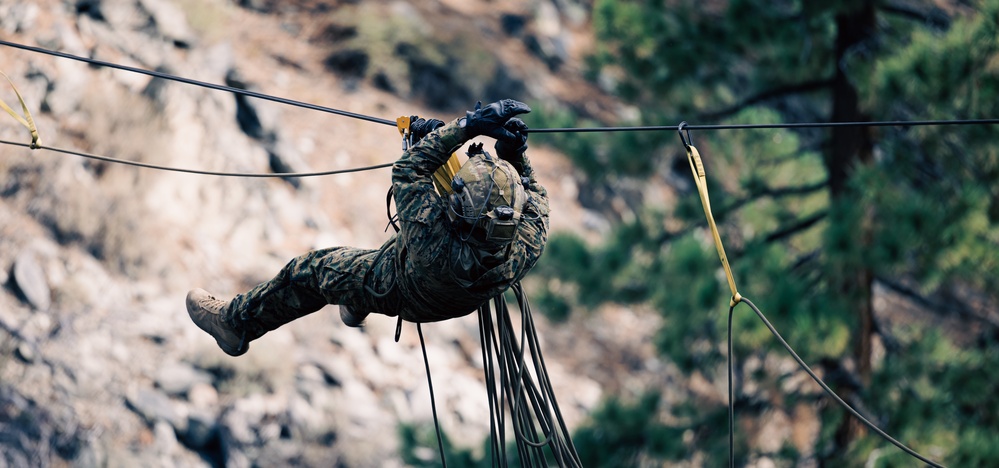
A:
(488, 198)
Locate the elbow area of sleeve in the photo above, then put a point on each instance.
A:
(452, 135)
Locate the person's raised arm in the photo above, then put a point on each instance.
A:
(514, 151)
(416, 199)
(415, 196)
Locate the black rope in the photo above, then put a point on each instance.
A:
(731, 393)
(539, 427)
(817, 380)
(433, 401)
(196, 171)
(497, 430)
(167, 76)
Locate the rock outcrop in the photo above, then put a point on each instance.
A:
(99, 363)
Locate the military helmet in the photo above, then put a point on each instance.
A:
(487, 198)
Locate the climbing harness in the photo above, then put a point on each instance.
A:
(697, 168)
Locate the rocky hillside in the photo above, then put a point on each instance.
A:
(99, 363)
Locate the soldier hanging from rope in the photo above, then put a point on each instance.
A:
(449, 257)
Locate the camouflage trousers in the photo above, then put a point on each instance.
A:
(309, 282)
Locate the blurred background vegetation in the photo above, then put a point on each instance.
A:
(872, 250)
(820, 224)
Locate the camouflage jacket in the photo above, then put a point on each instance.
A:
(427, 272)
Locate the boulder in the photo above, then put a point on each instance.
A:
(178, 378)
(30, 279)
(170, 21)
(154, 405)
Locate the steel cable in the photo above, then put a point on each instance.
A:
(808, 370)
(281, 175)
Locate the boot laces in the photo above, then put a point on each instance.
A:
(213, 304)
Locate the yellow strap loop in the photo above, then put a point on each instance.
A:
(27, 121)
(697, 168)
(443, 175)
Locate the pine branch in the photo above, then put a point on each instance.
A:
(933, 18)
(776, 193)
(951, 305)
(795, 228)
(802, 260)
(814, 146)
(668, 236)
(783, 91)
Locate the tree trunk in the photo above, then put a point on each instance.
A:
(852, 146)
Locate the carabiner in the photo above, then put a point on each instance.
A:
(679, 129)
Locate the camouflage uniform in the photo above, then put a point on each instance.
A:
(425, 273)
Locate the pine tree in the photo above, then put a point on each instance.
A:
(816, 219)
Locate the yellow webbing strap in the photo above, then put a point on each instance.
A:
(697, 168)
(443, 175)
(27, 121)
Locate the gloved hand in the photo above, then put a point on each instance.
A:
(419, 127)
(489, 120)
(512, 149)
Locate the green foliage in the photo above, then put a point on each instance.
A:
(622, 434)
(687, 56)
(602, 274)
(936, 188)
(419, 449)
(554, 306)
(924, 209)
(941, 398)
(594, 153)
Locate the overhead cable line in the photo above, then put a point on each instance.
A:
(886, 123)
(600, 129)
(167, 76)
(280, 175)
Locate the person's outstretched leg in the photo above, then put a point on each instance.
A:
(303, 286)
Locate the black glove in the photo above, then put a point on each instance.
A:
(512, 149)
(419, 127)
(489, 120)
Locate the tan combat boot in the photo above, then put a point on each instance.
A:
(206, 312)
